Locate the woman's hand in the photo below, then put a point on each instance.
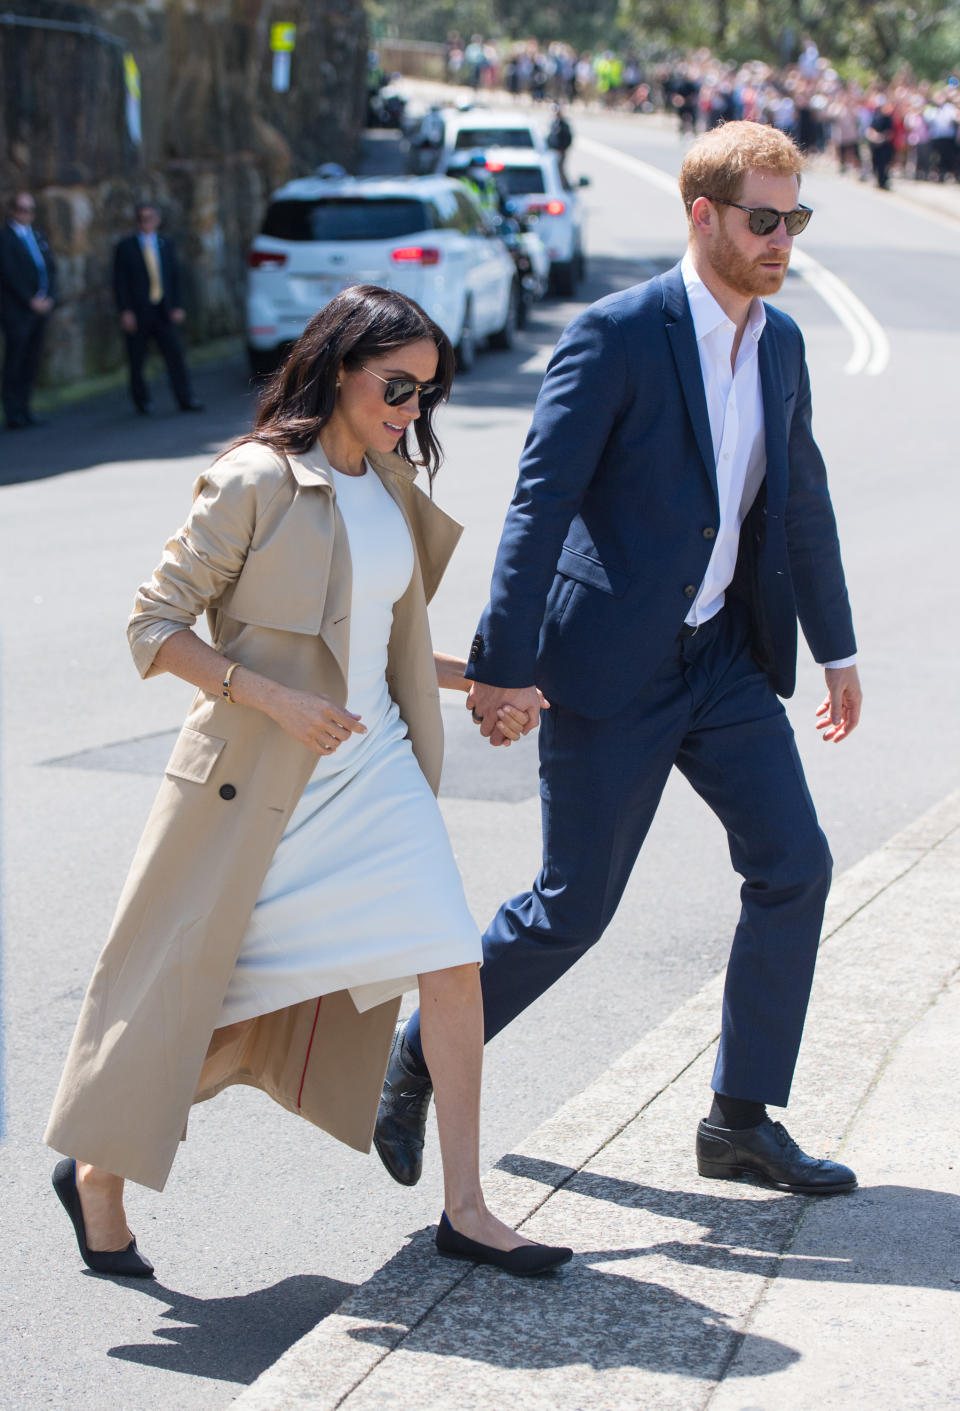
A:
(314, 721)
(511, 723)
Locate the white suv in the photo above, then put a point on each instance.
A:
(424, 236)
(531, 180)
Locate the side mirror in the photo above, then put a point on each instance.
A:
(584, 181)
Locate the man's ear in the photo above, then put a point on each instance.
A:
(703, 216)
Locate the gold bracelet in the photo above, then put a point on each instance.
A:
(225, 689)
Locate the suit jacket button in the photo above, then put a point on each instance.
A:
(709, 532)
(690, 591)
(228, 791)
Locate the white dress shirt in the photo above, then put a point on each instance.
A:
(735, 411)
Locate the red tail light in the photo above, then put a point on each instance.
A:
(555, 208)
(493, 165)
(416, 255)
(266, 259)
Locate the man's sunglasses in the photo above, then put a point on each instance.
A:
(397, 390)
(764, 219)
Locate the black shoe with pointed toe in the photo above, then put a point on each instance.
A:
(402, 1115)
(769, 1153)
(524, 1261)
(128, 1261)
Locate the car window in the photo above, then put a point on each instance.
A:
(346, 218)
(493, 137)
(468, 219)
(446, 211)
(520, 181)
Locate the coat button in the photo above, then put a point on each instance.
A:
(709, 532)
(690, 591)
(228, 791)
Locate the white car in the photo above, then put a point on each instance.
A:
(482, 128)
(531, 181)
(424, 236)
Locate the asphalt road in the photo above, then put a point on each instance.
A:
(266, 1223)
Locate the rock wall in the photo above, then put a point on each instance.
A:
(216, 139)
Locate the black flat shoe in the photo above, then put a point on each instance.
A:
(129, 1262)
(402, 1116)
(769, 1153)
(525, 1260)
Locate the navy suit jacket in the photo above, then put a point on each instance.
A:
(19, 276)
(131, 282)
(613, 520)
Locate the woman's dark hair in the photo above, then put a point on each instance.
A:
(360, 323)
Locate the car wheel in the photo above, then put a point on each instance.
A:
(262, 362)
(506, 336)
(466, 349)
(561, 278)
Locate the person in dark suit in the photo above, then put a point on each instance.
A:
(671, 523)
(146, 283)
(27, 293)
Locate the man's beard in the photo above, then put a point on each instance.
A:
(745, 276)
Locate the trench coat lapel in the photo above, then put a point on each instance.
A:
(315, 477)
(683, 345)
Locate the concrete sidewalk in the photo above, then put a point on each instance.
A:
(686, 1293)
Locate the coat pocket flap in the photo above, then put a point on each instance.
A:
(194, 755)
(573, 564)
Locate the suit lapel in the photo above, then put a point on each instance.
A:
(774, 419)
(683, 344)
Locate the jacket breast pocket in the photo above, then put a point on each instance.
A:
(194, 756)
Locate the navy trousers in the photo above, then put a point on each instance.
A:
(710, 711)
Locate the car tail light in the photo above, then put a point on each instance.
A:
(555, 208)
(494, 165)
(266, 259)
(416, 255)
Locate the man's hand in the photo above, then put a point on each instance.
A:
(485, 701)
(128, 321)
(840, 712)
(177, 315)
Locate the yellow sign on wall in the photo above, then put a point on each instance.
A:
(283, 37)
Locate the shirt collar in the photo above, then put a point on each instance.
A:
(706, 313)
(22, 230)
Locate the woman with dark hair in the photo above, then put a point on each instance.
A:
(295, 876)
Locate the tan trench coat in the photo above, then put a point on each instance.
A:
(265, 554)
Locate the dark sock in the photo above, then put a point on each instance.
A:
(734, 1113)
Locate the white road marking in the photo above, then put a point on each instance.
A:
(871, 347)
(538, 361)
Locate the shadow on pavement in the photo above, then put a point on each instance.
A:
(741, 1233)
(580, 1316)
(233, 1339)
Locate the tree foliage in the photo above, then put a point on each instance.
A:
(864, 35)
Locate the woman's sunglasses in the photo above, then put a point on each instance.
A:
(764, 219)
(397, 390)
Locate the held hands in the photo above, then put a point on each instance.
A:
(177, 315)
(840, 712)
(41, 303)
(128, 321)
(315, 721)
(505, 713)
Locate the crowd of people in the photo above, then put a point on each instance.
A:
(909, 126)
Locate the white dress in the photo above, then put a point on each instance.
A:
(363, 893)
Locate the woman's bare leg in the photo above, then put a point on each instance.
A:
(101, 1200)
(451, 1030)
